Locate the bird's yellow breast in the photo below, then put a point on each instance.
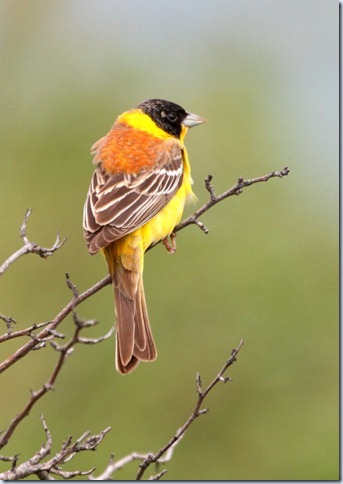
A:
(163, 223)
(157, 228)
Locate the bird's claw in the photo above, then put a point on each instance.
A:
(170, 246)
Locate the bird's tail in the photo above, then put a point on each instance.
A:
(134, 342)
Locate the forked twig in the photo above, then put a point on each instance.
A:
(236, 189)
(31, 247)
(64, 352)
(43, 469)
(202, 394)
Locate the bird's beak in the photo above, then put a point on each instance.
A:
(193, 120)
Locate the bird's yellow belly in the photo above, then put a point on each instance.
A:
(131, 247)
(163, 223)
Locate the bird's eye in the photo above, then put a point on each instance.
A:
(172, 117)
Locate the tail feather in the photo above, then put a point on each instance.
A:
(124, 370)
(144, 347)
(124, 308)
(135, 342)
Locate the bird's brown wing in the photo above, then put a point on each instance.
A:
(118, 204)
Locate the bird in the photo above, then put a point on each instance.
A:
(136, 197)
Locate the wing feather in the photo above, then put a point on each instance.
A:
(118, 204)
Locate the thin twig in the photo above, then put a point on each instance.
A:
(116, 465)
(23, 332)
(165, 454)
(9, 321)
(151, 458)
(234, 190)
(36, 466)
(64, 351)
(30, 247)
(158, 476)
(52, 325)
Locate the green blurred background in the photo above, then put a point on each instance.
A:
(265, 75)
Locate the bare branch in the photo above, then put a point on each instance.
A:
(13, 459)
(214, 199)
(23, 332)
(151, 458)
(64, 351)
(9, 321)
(158, 476)
(30, 247)
(114, 465)
(52, 325)
(72, 286)
(36, 465)
(165, 454)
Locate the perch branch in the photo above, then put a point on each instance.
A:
(234, 190)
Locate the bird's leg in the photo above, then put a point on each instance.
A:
(171, 247)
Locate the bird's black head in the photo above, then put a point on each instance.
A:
(167, 115)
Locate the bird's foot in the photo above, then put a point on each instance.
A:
(170, 246)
